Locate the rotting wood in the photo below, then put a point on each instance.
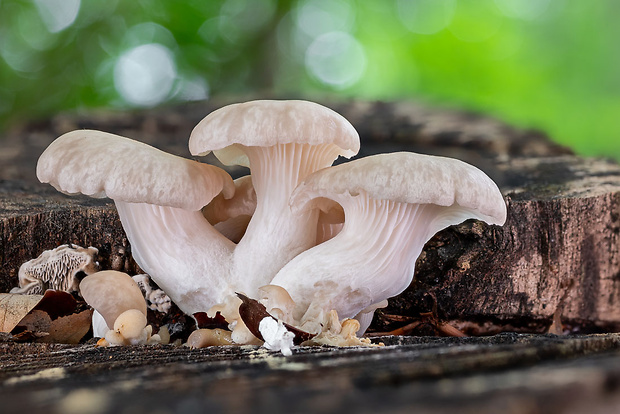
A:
(559, 247)
(470, 274)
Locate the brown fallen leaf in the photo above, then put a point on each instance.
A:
(69, 329)
(13, 308)
(35, 321)
(43, 318)
(252, 312)
(57, 303)
(34, 325)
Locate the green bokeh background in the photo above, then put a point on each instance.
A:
(547, 64)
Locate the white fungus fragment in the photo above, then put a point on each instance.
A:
(156, 298)
(276, 336)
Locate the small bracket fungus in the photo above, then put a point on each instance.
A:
(56, 269)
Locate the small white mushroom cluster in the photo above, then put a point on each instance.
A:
(120, 310)
(311, 241)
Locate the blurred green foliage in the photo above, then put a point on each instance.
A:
(548, 64)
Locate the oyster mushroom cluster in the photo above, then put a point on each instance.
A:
(308, 240)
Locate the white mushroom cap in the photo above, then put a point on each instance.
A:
(100, 164)
(159, 198)
(407, 177)
(112, 293)
(268, 123)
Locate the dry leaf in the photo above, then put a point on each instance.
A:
(69, 329)
(57, 303)
(43, 318)
(14, 307)
(32, 326)
(35, 321)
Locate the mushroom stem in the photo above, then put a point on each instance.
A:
(275, 235)
(379, 238)
(181, 251)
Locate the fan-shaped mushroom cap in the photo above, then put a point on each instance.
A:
(112, 293)
(406, 177)
(267, 123)
(100, 164)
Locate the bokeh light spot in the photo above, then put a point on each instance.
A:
(523, 9)
(426, 16)
(336, 59)
(192, 89)
(144, 75)
(317, 17)
(57, 15)
(311, 19)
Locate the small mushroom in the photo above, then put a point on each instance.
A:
(117, 298)
(111, 293)
(282, 142)
(202, 338)
(393, 204)
(56, 269)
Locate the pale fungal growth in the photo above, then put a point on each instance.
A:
(282, 142)
(118, 300)
(393, 204)
(159, 198)
(229, 307)
(202, 338)
(56, 269)
(340, 333)
(276, 336)
(156, 298)
(321, 248)
(277, 302)
(232, 216)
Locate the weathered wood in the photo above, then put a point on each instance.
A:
(506, 373)
(557, 254)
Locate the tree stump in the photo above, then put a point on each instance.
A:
(554, 267)
(557, 255)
